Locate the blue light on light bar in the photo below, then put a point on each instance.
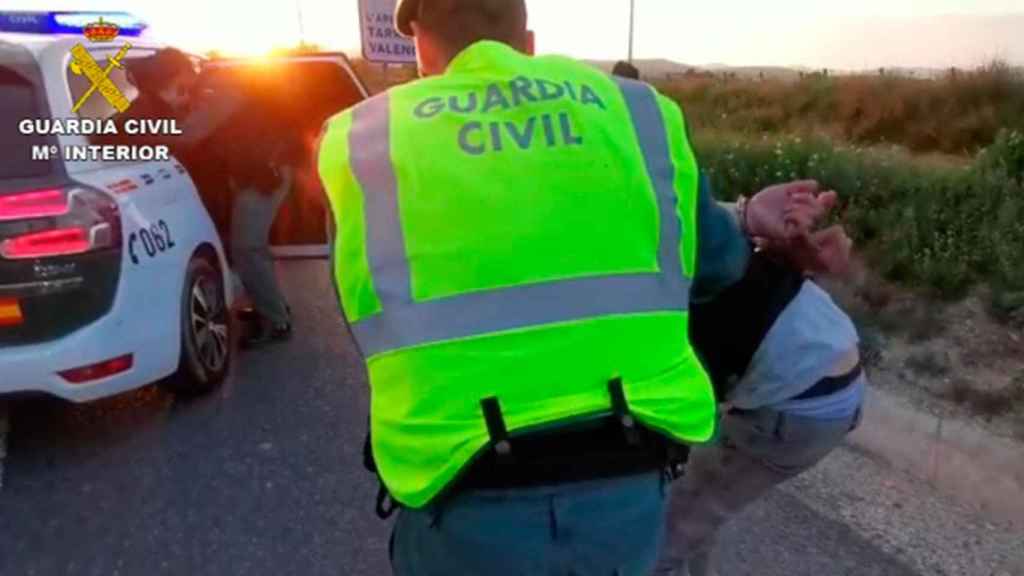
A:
(67, 22)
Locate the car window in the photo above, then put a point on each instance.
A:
(307, 91)
(19, 102)
(337, 88)
(96, 106)
(317, 90)
(328, 88)
(303, 93)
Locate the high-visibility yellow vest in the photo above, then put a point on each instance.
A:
(520, 230)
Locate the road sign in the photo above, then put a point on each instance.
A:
(381, 42)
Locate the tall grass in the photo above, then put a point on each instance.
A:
(943, 228)
(958, 113)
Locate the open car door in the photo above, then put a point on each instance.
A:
(308, 90)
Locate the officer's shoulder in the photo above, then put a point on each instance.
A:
(399, 92)
(576, 67)
(664, 100)
(345, 116)
(337, 119)
(418, 87)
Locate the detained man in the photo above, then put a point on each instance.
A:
(784, 360)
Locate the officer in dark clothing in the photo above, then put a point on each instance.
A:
(170, 88)
(168, 83)
(263, 151)
(233, 140)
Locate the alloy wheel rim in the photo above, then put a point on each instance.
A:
(209, 325)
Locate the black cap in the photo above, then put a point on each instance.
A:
(407, 10)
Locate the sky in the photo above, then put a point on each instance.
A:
(863, 34)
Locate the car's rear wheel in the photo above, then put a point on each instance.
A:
(205, 332)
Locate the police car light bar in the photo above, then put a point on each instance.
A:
(67, 22)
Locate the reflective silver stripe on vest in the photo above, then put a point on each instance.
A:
(369, 141)
(651, 132)
(403, 323)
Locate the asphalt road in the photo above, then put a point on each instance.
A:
(266, 478)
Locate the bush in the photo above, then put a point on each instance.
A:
(1008, 307)
(1005, 158)
(944, 228)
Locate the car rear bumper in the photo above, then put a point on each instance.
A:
(36, 368)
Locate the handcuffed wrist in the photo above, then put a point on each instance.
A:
(741, 215)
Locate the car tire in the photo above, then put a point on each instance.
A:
(206, 344)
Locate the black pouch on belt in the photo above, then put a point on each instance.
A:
(606, 447)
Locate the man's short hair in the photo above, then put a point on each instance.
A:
(460, 23)
(624, 69)
(152, 74)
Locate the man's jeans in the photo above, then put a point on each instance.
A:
(600, 528)
(757, 451)
(251, 220)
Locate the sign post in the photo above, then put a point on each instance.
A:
(632, 27)
(381, 42)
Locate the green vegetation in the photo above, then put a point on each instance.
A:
(938, 226)
(958, 113)
(931, 170)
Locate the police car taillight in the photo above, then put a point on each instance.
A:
(33, 205)
(58, 222)
(99, 371)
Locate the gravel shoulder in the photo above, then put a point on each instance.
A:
(908, 519)
(952, 360)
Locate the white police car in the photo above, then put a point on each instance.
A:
(112, 274)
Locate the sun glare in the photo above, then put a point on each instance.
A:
(229, 28)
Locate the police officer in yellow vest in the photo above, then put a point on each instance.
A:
(517, 242)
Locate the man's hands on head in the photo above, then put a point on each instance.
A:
(785, 210)
(783, 220)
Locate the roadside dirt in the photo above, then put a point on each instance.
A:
(953, 360)
(929, 531)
